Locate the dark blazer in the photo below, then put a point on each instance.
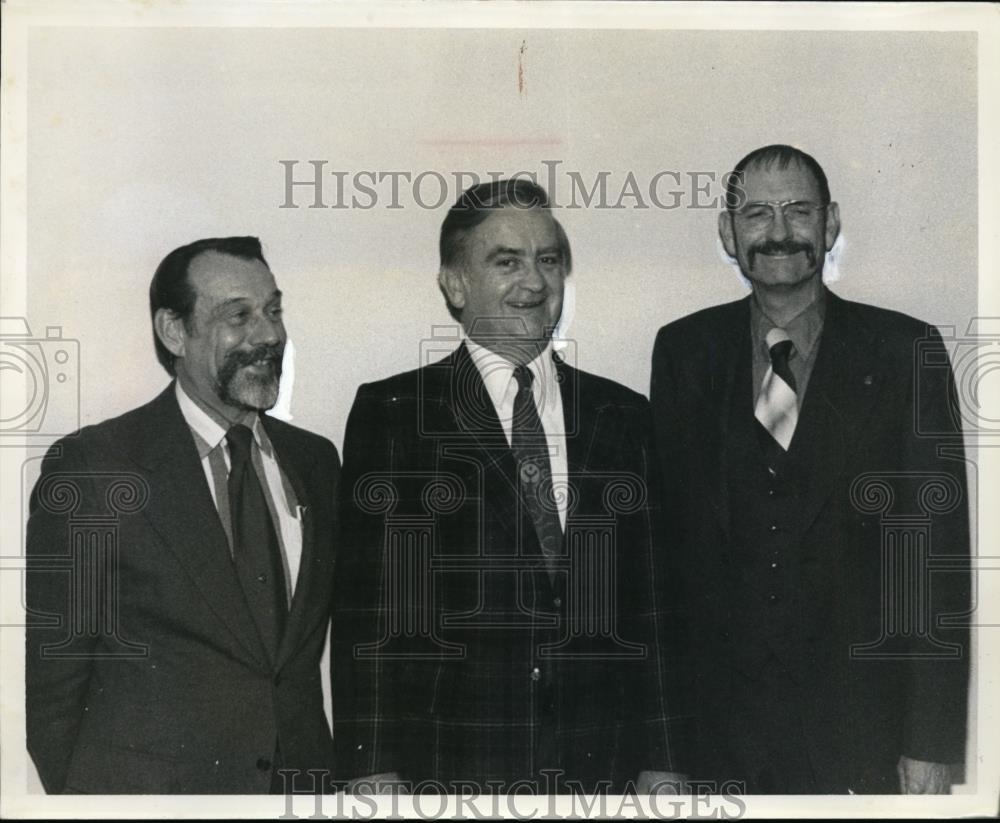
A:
(452, 649)
(145, 672)
(877, 454)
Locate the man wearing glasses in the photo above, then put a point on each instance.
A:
(792, 426)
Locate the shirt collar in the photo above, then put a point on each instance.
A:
(208, 433)
(803, 329)
(497, 372)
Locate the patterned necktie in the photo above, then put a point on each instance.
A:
(534, 471)
(256, 551)
(777, 406)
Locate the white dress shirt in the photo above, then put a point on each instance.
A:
(498, 375)
(210, 438)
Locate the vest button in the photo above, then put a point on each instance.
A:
(774, 527)
(557, 602)
(536, 674)
(772, 599)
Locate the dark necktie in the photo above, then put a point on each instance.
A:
(534, 471)
(256, 551)
(777, 405)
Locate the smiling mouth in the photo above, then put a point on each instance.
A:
(525, 304)
(265, 364)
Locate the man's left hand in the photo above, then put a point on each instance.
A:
(921, 777)
(654, 782)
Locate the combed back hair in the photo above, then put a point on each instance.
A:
(779, 156)
(171, 289)
(477, 203)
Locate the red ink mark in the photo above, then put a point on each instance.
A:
(520, 69)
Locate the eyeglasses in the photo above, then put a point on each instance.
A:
(798, 213)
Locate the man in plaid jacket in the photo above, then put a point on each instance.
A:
(496, 625)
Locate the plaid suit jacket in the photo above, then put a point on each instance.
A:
(454, 652)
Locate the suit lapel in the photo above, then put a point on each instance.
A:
(476, 420)
(310, 576)
(727, 411)
(842, 390)
(181, 511)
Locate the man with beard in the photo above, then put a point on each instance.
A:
(494, 622)
(786, 424)
(181, 653)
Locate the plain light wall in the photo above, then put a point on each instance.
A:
(140, 140)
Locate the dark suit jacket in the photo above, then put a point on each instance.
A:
(451, 647)
(879, 405)
(145, 672)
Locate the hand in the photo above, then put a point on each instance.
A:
(652, 782)
(384, 783)
(922, 777)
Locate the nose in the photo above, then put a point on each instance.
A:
(267, 330)
(533, 279)
(779, 227)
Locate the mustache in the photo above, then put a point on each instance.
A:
(236, 360)
(268, 352)
(782, 247)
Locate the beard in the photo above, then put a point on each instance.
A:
(239, 387)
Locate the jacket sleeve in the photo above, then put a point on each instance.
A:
(364, 707)
(656, 605)
(56, 685)
(937, 687)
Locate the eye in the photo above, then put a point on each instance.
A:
(799, 211)
(507, 262)
(550, 259)
(276, 312)
(757, 213)
(239, 317)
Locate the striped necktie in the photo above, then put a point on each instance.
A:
(777, 406)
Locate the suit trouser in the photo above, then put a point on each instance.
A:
(767, 746)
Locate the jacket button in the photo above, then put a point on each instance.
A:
(536, 674)
(774, 527)
(264, 764)
(557, 602)
(773, 598)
